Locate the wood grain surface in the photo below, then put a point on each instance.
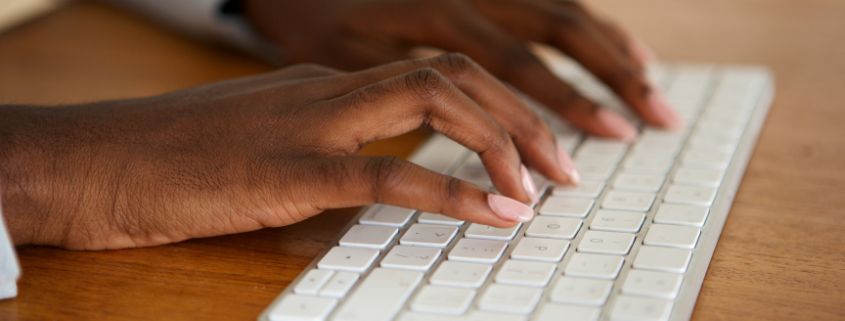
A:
(781, 255)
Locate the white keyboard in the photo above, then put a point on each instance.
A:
(631, 242)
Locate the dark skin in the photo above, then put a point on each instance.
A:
(274, 149)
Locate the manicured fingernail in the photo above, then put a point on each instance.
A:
(528, 183)
(509, 209)
(619, 126)
(568, 166)
(665, 113)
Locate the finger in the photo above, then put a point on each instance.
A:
(627, 44)
(403, 103)
(581, 38)
(530, 134)
(354, 181)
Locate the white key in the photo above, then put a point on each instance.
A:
(481, 231)
(629, 201)
(428, 235)
(566, 206)
(694, 195)
(553, 227)
(698, 176)
(410, 257)
(654, 284)
(657, 148)
(313, 281)
(509, 299)
(525, 273)
(695, 158)
(684, 237)
(568, 142)
(296, 307)
(432, 218)
(439, 154)
(471, 316)
(443, 300)
(601, 149)
(339, 284)
(473, 171)
(588, 189)
(572, 290)
(348, 259)
(662, 259)
(647, 164)
(387, 289)
(617, 221)
(637, 182)
(594, 170)
(479, 251)
(628, 308)
(369, 236)
(594, 266)
(606, 242)
(540, 249)
(554, 312)
(387, 215)
(678, 214)
(461, 274)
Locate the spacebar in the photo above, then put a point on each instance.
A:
(380, 296)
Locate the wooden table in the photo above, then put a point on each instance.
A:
(782, 252)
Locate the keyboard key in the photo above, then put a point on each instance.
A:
(540, 249)
(617, 221)
(410, 257)
(432, 218)
(698, 176)
(510, 299)
(594, 170)
(369, 236)
(348, 259)
(637, 182)
(471, 316)
(387, 215)
(628, 308)
(581, 291)
(313, 281)
(599, 149)
(690, 215)
(654, 284)
(566, 206)
(473, 171)
(662, 259)
(387, 289)
(461, 274)
(295, 307)
(647, 164)
(587, 189)
(553, 312)
(481, 231)
(695, 158)
(478, 251)
(594, 266)
(606, 242)
(439, 154)
(629, 201)
(429, 235)
(443, 300)
(553, 227)
(339, 284)
(693, 195)
(525, 273)
(684, 237)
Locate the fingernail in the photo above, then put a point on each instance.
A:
(528, 183)
(620, 127)
(666, 114)
(509, 209)
(568, 166)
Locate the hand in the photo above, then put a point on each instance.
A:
(264, 151)
(357, 33)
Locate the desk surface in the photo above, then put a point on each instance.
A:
(782, 252)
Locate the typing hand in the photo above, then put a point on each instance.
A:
(264, 151)
(352, 34)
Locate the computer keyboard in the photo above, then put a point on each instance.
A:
(631, 242)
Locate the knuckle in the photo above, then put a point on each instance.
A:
(452, 194)
(426, 83)
(384, 174)
(456, 64)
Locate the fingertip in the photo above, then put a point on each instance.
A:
(663, 113)
(568, 167)
(509, 209)
(616, 126)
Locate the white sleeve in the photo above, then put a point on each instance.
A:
(9, 269)
(203, 19)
